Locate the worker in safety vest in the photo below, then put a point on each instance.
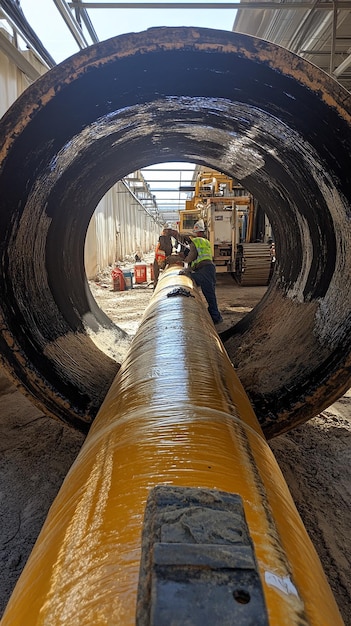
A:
(163, 250)
(203, 270)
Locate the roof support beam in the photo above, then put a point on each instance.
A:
(342, 67)
(320, 5)
(82, 14)
(333, 39)
(15, 17)
(72, 24)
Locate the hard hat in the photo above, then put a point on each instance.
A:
(199, 227)
(168, 226)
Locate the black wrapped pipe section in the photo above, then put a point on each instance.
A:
(232, 102)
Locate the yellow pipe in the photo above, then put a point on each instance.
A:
(175, 415)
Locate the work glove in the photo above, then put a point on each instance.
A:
(185, 272)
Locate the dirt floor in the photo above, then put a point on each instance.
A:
(37, 451)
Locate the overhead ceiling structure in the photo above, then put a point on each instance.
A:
(165, 182)
(12, 14)
(318, 31)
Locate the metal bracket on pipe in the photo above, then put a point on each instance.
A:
(198, 564)
(180, 291)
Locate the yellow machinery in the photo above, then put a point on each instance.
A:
(229, 222)
(209, 184)
(228, 211)
(187, 220)
(175, 510)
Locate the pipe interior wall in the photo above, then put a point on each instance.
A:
(176, 414)
(228, 101)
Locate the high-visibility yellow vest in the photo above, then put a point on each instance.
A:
(204, 252)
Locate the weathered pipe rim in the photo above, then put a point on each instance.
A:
(60, 326)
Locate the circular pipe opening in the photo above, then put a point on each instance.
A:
(231, 102)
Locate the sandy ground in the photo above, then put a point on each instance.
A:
(37, 451)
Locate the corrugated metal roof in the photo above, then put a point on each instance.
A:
(319, 33)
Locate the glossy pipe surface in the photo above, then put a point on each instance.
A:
(176, 414)
(242, 105)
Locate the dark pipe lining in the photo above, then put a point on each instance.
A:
(229, 101)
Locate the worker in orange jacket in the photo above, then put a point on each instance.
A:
(163, 250)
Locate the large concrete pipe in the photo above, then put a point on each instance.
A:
(223, 542)
(238, 104)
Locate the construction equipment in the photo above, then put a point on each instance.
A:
(253, 264)
(229, 213)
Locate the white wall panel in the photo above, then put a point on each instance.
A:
(12, 81)
(120, 227)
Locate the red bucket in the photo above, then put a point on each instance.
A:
(119, 283)
(140, 273)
